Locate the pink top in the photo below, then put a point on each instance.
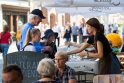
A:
(4, 38)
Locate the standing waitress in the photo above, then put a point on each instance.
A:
(108, 63)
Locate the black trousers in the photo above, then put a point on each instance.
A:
(74, 38)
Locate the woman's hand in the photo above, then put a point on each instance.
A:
(83, 53)
(67, 43)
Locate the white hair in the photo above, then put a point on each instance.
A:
(31, 16)
(46, 67)
(61, 54)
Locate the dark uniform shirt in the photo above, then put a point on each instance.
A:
(100, 37)
(109, 63)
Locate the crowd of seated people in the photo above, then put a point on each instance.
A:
(48, 70)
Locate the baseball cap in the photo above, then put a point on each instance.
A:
(38, 12)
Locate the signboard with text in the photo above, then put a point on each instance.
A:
(28, 62)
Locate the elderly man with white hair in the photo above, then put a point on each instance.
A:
(46, 69)
(64, 74)
(35, 17)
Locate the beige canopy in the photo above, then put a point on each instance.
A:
(82, 3)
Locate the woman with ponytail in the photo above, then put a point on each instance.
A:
(108, 62)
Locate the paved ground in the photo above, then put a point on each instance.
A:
(1, 67)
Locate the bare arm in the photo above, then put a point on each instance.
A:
(99, 54)
(83, 46)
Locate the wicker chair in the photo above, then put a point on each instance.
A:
(109, 78)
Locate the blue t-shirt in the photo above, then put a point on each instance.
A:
(24, 32)
(75, 30)
(38, 46)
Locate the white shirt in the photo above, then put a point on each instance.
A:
(85, 31)
(58, 30)
(30, 48)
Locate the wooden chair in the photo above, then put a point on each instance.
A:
(112, 78)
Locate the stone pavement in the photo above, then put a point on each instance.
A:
(1, 67)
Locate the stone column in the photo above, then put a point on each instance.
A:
(16, 25)
(67, 17)
(52, 20)
(63, 20)
(11, 23)
(45, 13)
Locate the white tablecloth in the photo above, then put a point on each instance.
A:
(85, 65)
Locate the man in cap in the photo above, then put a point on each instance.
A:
(35, 17)
(49, 39)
